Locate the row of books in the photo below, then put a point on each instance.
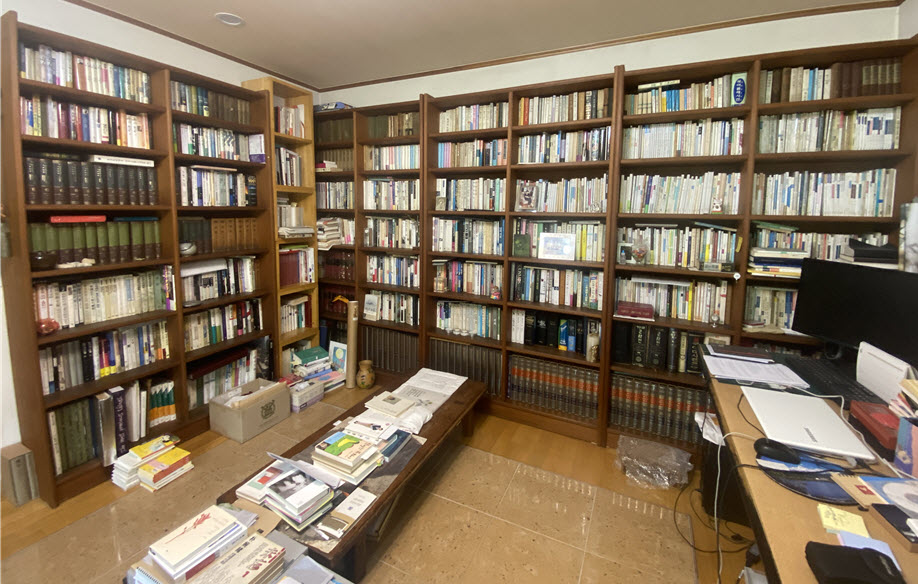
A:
(559, 287)
(335, 130)
(475, 153)
(291, 120)
(65, 69)
(392, 195)
(90, 237)
(821, 246)
(288, 167)
(568, 195)
(473, 361)
(388, 349)
(566, 389)
(711, 192)
(290, 214)
(71, 304)
(700, 247)
(466, 235)
(215, 234)
(335, 195)
(216, 278)
(665, 348)
(402, 232)
(297, 265)
(66, 179)
(327, 295)
(45, 116)
(691, 138)
(468, 319)
(334, 231)
(668, 96)
(661, 409)
(218, 143)
(578, 146)
(769, 308)
(208, 186)
(68, 365)
(213, 326)
(868, 193)
(296, 313)
(342, 158)
(392, 307)
(468, 277)
(579, 105)
(403, 157)
(475, 117)
(588, 238)
(683, 299)
(777, 262)
(196, 100)
(465, 194)
(852, 79)
(336, 264)
(394, 125)
(566, 333)
(831, 131)
(161, 402)
(394, 270)
(210, 378)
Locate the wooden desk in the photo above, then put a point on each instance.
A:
(349, 556)
(783, 521)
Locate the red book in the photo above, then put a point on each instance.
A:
(77, 219)
(634, 310)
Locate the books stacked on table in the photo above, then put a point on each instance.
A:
(164, 469)
(347, 456)
(864, 254)
(315, 364)
(126, 467)
(298, 498)
(776, 262)
(197, 543)
(256, 488)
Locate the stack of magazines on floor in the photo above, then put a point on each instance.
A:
(152, 464)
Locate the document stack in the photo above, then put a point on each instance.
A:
(126, 467)
(298, 498)
(197, 543)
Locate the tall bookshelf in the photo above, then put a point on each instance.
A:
(293, 179)
(140, 199)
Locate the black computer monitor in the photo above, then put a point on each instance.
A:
(846, 304)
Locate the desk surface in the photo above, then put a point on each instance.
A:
(787, 520)
(435, 431)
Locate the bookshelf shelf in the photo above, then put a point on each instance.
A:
(469, 339)
(297, 335)
(332, 281)
(93, 209)
(833, 157)
(292, 190)
(470, 170)
(839, 103)
(561, 126)
(692, 379)
(563, 166)
(295, 240)
(334, 174)
(538, 215)
(771, 279)
(334, 145)
(392, 172)
(224, 300)
(551, 353)
(679, 217)
(291, 140)
(222, 346)
(229, 210)
(43, 142)
(392, 141)
(467, 213)
(463, 297)
(671, 271)
(389, 288)
(100, 268)
(467, 256)
(391, 212)
(297, 288)
(825, 220)
(241, 165)
(391, 250)
(557, 308)
(69, 94)
(466, 135)
(333, 316)
(223, 254)
(335, 211)
(90, 329)
(566, 263)
(681, 324)
(685, 161)
(214, 122)
(720, 113)
(783, 338)
(392, 326)
(109, 381)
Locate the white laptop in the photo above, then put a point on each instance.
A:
(807, 423)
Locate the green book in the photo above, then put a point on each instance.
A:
(65, 235)
(157, 242)
(52, 239)
(37, 237)
(92, 242)
(124, 241)
(137, 249)
(149, 228)
(61, 424)
(114, 255)
(521, 245)
(79, 242)
(102, 243)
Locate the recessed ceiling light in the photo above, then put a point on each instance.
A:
(229, 19)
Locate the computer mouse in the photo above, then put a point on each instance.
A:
(776, 450)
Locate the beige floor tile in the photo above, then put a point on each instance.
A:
(434, 539)
(549, 503)
(641, 535)
(383, 573)
(472, 477)
(80, 552)
(117, 573)
(511, 554)
(597, 570)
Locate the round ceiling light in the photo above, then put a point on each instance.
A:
(230, 19)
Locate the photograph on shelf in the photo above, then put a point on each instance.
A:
(624, 253)
(525, 197)
(338, 353)
(557, 246)
(371, 307)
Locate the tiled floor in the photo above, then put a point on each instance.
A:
(471, 515)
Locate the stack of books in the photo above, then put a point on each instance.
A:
(347, 456)
(164, 469)
(126, 467)
(865, 254)
(297, 498)
(776, 262)
(327, 166)
(314, 364)
(330, 232)
(197, 543)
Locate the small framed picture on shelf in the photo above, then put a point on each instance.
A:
(440, 204)
(338, 353)
(557, 246)
(624, 253)
(525, 197)
(371, 307)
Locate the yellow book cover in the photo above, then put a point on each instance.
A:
(164, 461)
(144, 450)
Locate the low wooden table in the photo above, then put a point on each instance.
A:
(349, 557)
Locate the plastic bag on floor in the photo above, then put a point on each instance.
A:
(652, 465)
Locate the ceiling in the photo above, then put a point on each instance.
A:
(328, 44)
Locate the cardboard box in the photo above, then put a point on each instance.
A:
(250, 409)
(305, 393)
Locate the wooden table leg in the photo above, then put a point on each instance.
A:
(359, 559)
(468, 423)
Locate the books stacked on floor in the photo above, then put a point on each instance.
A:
(347, 456)
(164, 469)
(776, 262)
(315, 364)
(197, 543)
(126, 467)
(864, 254)
(297, 498)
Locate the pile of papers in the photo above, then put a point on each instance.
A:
(198, 542)
(296, 231)
(286, 489)
(126, 467)
(330, 232)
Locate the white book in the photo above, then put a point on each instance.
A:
(193, 536)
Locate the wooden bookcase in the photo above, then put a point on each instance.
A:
(739, 219)
(33, 404)
(281, 94)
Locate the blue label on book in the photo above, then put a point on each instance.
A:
(739, 90)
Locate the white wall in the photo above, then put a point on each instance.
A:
(766, 37)
(908, 19)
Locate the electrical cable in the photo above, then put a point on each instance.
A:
(742, 413)
(689, 543)
(720, 555)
